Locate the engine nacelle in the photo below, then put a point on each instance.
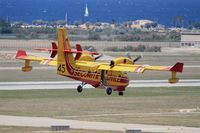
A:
(121, 60)
(86, 57)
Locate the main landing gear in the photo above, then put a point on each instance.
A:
(120, 93)
(80, 87)
(108, 91)
(104, 84)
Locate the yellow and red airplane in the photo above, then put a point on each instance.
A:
(83, 67)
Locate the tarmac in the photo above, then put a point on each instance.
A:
(86, 125)
(74, 84)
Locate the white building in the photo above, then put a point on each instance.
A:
(190, 39)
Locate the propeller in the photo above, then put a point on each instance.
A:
(99, 56)
(92, 49)
(137, 58)
(129, 56)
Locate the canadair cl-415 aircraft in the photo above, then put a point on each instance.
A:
(111, 76)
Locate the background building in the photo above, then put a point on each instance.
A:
(190, 39)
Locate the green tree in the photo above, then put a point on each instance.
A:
(94, 36)
(39, 22)
(5, 27)
(129, 24)
(18, 24)
(77, 23)
(125, 24)
(197, 25)
(98, 24)
(61, 22)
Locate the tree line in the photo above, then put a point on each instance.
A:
(121, 32)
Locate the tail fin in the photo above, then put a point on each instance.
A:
(78, 48)
(54, 50)
(65, 60)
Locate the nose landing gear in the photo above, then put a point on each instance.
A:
(79, 89)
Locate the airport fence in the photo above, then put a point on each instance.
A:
(9, 44)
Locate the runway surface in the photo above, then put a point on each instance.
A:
(75, 124)
(74, 84)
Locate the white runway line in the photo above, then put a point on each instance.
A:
(74, 84)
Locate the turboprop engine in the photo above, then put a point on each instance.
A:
(124, 60)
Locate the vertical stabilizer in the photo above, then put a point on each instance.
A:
(65, 60)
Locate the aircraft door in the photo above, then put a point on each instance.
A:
(103, 75)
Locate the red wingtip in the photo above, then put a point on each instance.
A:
(20, 54)
(178, 67)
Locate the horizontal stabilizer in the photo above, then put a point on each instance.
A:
(67, 51)
(81, 52)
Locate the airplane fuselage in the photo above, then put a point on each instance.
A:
(118, 81)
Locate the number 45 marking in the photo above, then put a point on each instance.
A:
(61, 68)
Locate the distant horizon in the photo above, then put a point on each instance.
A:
(120, 11)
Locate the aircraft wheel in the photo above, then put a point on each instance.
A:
(79, 88)
(109, 91)
(120, 93)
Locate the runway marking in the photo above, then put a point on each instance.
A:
(132, 114)
(74, 84)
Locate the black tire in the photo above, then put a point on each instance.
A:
(79, 88)
(120, 93)
(109, 91)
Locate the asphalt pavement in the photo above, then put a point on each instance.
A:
(74, 84)
(87, 125)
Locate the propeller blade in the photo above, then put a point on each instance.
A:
(90, 49)
(128, 55)
(137, 58)
(98, 56)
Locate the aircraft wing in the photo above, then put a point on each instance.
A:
(121, 67)
(178, 67)
(21, 54)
